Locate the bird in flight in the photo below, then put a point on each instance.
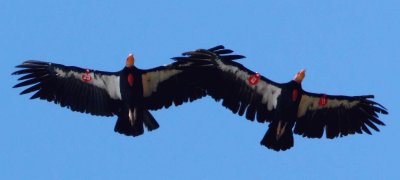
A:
(129, 93)
(286, 106)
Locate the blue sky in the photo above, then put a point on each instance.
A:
(347, 47)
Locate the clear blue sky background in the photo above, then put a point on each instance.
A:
(347, 47)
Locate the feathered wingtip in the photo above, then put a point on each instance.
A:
(369, 109)
(221, 52)
(207, 55)
(367, 99)
(30, 66)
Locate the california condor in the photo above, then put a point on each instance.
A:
(286, 106)
(128, 94)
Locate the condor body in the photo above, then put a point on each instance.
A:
(286, 106)
(129, 93)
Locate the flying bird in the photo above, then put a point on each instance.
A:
(129, 93)
(286, 106)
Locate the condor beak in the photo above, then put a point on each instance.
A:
(130, 60)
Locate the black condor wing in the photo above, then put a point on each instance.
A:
(83, 90)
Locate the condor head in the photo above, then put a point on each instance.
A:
(130, 61)
(300, 76)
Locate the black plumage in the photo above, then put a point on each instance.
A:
(287, 107)
(132, 92)
(128, 94)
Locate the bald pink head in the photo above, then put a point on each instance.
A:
(130, 60)
(300, 76)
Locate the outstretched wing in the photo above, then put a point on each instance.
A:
(175, 84)
(338, 115)
(82, 90)
(240, 89)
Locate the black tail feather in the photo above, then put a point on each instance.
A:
(149, 121)
(144, 118)
(272, 141)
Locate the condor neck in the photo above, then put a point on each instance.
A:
(130, 69)
(295, 84)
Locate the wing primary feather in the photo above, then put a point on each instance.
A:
(364, 97)
(224, 51)
(216, 48)
(376, 120)
(26, 71)
(32, 75)
(32, 88)
(371, 117)
(365, 129)
(32, 66)
(370, 124)
(190, 59)
(36, 95)
(31, 81)
(382, 108)
(35, 62)
(231, 57)
(201, 53)
(378, 109)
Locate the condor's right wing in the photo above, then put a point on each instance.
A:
(82, 90)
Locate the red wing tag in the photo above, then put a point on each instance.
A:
(323, 100)
(254, 79)
(295, 93)
(86, 76)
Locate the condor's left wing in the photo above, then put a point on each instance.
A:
(337, 115)
(82, 90)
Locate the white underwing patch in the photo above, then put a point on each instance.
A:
(269, 92)
(110, 83)
(151, 80)
(312, 103)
